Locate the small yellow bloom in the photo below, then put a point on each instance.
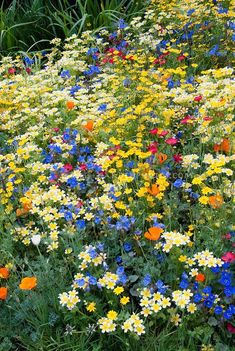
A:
(124, 300)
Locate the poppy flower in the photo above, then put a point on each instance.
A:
(153, 233)
(216, 201)
(3, 293)
(224, 146)
(161, 157)
(228, 257)
(4, 273)
(70, 105)
(230, 328)
(28, 283)
(200, 277)
(154, 190)
(89, 126)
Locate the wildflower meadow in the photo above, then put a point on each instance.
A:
(117, 186)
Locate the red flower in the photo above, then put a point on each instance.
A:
(228, 257)
(181, 58)
(11, 70)
(177, 158)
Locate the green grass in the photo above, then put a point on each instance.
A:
(31, 24)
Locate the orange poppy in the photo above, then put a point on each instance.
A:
(161, 157)
(216, 201)
(89, 126)
(200, 277)
(70, 105)
(224, 146)
(28, 283)
(154, 190)
(4, 273)
(153, 233)
(3, 293)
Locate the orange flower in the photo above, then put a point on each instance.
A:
(3, 293)
(200, 277)
(153, 233)
(161, 157)
(216, 201)
(70, 105)
(154, 190)
(4, 273)
(224, 146)
(28, 283)
(89, 126)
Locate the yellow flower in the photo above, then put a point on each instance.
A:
(118, 290)
(124, 300)
(91, 307)
(112, 315)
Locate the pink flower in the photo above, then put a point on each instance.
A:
(153, 131)
(56, 129)
(228, 257)
(68, 167)
(83, 167)
(186, 119)
(153, 148)
(207, 118)
(198, 98)
(11, 70)
(171, 141)
(230, 328)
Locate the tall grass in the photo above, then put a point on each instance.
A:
(33, 23)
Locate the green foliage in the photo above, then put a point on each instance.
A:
(31, 24)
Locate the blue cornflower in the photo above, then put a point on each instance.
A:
(68, 216)
(178, 183)
(118, 259)
(72, 182)
(80, 282)
(102, 107)
(92, 280)
(197, 297)
(127, 247)
(184, 284)
(227, 314)
(146, 280)
(120, 270)
(218, 310)
(161, 287)
(65, 74)
(81, 224)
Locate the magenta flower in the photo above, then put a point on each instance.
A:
(228, 257)
(172, 141)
